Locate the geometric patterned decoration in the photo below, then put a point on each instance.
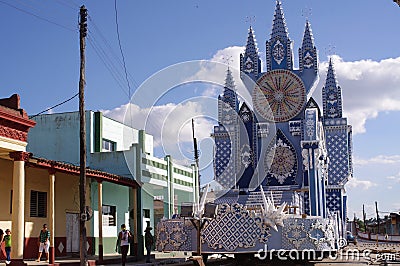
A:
(338, 156)
(283, 92)
(333, 200)
(174, 235)
(317, 234)
(223, 163)
(281, 161)
(234, 227)
(306, 203)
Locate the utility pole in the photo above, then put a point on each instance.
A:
(364, 217)
(377, 219)
(196, 159)
(82, 136)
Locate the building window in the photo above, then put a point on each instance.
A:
(146, 213)
(38, 204)
(109, 215)
(109, 145)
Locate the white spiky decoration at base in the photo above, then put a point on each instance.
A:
(272, 216)
(200, 207)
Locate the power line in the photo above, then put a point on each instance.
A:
(120, 47)
(48, 109)
(36, 16)
(108, 56)
(107, 62)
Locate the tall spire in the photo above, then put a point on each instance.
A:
(331, 76)
(228, 103)
(331, 95)
(308, 40)
(308, 58)
(279, 25)
(279, 54)
(250, 62)
(251, 47)
(229, 82)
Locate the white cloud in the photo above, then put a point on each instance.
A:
(170, 125)
(394, 178)
(380, 159)
(363, 184)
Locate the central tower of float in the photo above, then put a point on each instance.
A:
(281, 140)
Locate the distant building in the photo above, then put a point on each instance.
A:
(121, 150)
(36, 190)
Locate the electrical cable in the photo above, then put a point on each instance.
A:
(120, 47)
(48, 109)
(107, 62)
(36, 16)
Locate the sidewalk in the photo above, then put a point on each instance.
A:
(158, 258)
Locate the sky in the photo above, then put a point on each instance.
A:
(175, 54)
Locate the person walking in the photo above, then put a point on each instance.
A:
(44, 243)
(148, 242)
(7, 242)
(122, 245)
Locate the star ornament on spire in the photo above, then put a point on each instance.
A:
(227, 60)
(306, 12)
(250, 20)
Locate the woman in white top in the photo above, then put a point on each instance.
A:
(123, 242)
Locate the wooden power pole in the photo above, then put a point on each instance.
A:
(377, 220)
(364, 218)
(82, 137)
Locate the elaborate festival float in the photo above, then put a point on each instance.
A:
(282, 162)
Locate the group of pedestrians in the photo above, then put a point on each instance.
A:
(123, 241)
(6, 238)
(43, 243)
(125, 238)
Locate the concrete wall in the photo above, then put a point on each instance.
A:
(56, 137)
(66, 201)
(113, 195)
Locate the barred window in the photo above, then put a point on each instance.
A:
(38, 204)
(109, 215)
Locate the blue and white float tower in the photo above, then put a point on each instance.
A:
(281, 140)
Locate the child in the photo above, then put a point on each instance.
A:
(7, 241)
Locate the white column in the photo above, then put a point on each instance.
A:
(100, 218)
(52, 178)
(18, 205)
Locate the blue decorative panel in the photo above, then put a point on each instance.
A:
(338, 156)
(306, 203)
(317, 234)
(310, 127)
(234, 227)
(281, 159)
(175, 235)
(334, 200)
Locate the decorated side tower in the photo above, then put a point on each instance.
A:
(338, 136)
(281, 140)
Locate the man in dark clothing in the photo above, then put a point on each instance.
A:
(148, 242)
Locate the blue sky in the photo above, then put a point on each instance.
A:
(40, 61)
